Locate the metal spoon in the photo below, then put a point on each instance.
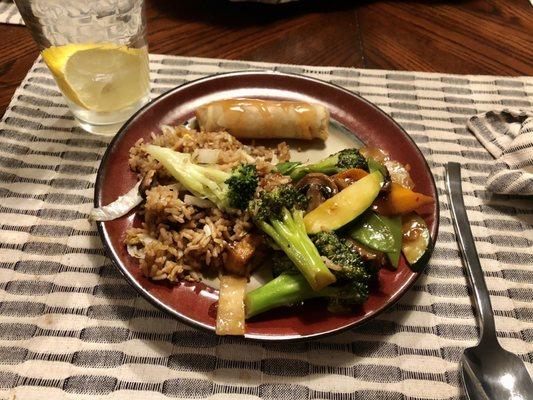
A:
(489, 372)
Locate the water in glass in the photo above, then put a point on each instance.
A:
(97, 53)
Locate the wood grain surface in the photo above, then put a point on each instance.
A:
(464, 37)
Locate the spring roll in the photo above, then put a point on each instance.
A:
(265, 119)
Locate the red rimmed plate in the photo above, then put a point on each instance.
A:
(194, 303)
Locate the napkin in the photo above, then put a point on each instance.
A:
(9, 13)
(508, 136)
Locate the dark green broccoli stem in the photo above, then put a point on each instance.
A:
(292, 288)
(290, 235)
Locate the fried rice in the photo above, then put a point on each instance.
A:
(178, 240)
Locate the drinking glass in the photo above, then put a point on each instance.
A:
(97, 53)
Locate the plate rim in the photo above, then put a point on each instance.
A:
(117, 262)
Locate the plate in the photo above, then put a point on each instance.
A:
(195, 304)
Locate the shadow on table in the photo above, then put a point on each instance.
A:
(241, 14)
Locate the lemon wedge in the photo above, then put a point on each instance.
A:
(99, 77)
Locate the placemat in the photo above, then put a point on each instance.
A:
(72, 328)
(9, 14)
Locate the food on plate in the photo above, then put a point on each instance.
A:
(416, 240)
(245, 255)
(259, 119)
(345, 206)
(230, 310)
(380, 233)
(226, 190)
(211, 205)
(280, 214)
(338, 162)
(401, 200)
(120, 207)
(184, 234)
(289, 287)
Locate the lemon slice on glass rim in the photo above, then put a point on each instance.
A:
(99, 77)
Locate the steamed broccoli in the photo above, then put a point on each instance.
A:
(289, 287)
(281, 264)
(332, 247)
(335, 163)
(292, 288)
(279, 213)
(227, 190)
(241, 186)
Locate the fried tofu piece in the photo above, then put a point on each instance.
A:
(245, 255)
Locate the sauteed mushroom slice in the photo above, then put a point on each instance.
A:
(317, 188)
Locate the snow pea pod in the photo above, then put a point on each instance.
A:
(380, 233)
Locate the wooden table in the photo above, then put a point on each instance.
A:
(464, 37)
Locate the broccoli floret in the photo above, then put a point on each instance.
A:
(281, 264)
(372, 267)
(241, 186)
(343, 298)
(271, 205)
(351, 288)
(279, 213)
(335, 163)
(292, 288)
(227, 190)
(352, 266)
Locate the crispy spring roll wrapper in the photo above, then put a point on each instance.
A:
(265, 119)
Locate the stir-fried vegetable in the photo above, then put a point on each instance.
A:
(398, 172)
(343, 160)
(279, 214)
(230, 312)
(401, 200)
(395, 226)
(373, 230)
(120, 207)
(227, 190)
(289, 288)
(380, 233)
(292, 288)
(416, 242)
(345, 206)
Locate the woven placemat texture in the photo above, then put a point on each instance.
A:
(72, 328)
(9, 14)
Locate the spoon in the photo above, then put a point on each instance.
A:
(489, 372)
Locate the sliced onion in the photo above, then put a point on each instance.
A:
(206, 156)
(230, 312)
(197, 201)
(121, 206)
(398, 172)
(139, 252)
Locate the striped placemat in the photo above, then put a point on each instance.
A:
(71, 327)
(9, 14)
